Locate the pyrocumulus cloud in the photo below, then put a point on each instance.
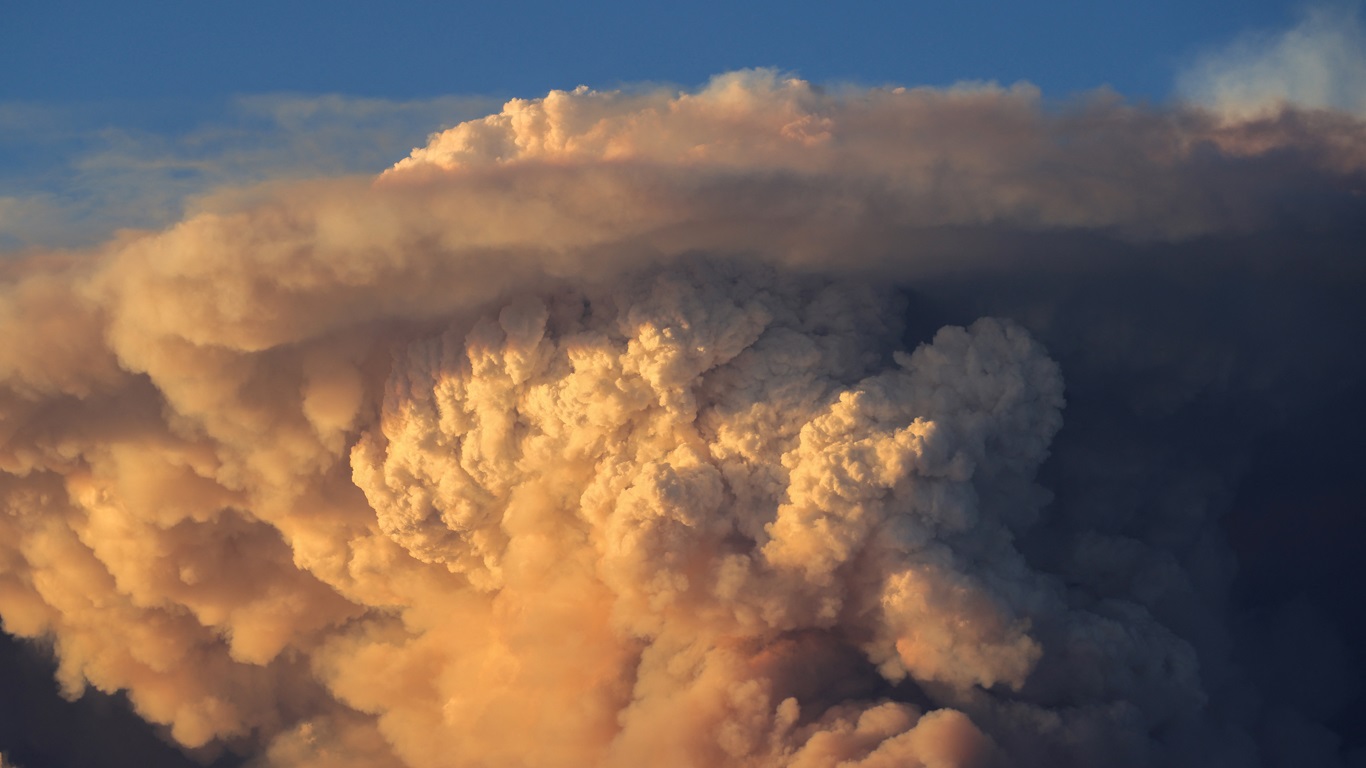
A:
(673, 428)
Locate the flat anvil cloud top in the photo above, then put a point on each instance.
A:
(620, 428)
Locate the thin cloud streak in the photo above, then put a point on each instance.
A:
(81, 172)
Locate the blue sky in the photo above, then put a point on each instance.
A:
(157, 50)
(118, 114)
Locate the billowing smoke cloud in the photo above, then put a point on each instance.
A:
(763, 425)
(1319, 64)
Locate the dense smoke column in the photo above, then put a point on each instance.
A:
(670, 421)
(755, 426)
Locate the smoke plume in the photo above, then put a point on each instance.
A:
(762, 425)
(1319, 64)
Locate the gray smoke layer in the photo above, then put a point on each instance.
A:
(756, 426)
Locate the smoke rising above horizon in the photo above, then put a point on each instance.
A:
(1320, 63)
(759, 425)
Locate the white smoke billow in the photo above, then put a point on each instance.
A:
(1319, 64)
(591, 435)
(705, 471)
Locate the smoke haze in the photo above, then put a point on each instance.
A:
(1318, 64)
(762, 425)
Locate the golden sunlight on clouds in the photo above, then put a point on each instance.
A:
(587, 435)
